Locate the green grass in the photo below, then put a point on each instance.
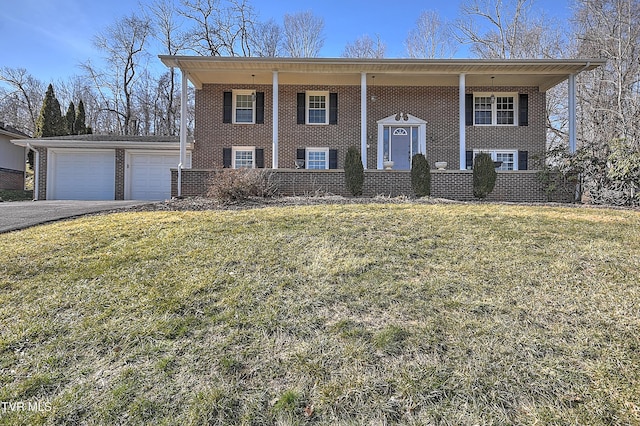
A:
(344, 314)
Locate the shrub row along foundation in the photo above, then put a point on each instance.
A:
(517, 186)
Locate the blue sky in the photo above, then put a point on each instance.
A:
(51, 37)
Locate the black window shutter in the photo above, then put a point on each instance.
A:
(302, 99)
(260, 158)
(260, 107)
(226, 158)
(468, 109)
(333, 108)
(523, 106)
(468, 160)
(333, 158)
(227, 109)
(523, 160)
(300, 154)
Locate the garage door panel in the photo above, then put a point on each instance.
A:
(82, 175)
(150, 175)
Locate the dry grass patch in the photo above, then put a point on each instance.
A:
(347, 314)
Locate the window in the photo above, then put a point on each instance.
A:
(499, 113)
(244, 107)
(508, 158)
(317, 107)
(243, 157)
(482, 110)
(317, 158)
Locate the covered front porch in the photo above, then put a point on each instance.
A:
(370, 75)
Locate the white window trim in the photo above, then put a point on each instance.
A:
(235, 149)
(494, 152)
(494, 108)
(235, 94)
(310, 93)
(306, 156)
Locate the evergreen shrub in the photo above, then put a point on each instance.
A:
(484, 175)
(354, 171)
(420, 176)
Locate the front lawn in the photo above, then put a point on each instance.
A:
(339, 314)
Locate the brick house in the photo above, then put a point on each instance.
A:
(299, 116)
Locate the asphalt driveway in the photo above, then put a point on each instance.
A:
(23, 214)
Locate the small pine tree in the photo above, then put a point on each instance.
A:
(80, 125)
(484, 175)
(70, 119)
(354, 171)
(420, 176)
(50, 122)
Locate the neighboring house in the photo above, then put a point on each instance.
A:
(301, 113)
(104, 167)
(12, 159)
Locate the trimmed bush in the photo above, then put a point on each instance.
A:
(239, 184)
(354, 171)
(420, 176)
(484, 175)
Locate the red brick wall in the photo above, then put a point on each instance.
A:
(531, 138)
(211, 134)
(120, 169)
(437, 105)
(11, 179)
(519, 186)
(42, 173)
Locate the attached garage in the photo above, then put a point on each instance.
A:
(81, 174)
(105, 167)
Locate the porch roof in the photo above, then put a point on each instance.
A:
(541, 73)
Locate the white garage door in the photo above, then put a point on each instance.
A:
(150, 175)
(81, 174)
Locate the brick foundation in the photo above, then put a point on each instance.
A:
(11, 179)
(518, 186)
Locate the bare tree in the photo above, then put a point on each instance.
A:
(123, 44)
(609, 99)
(267, 39)
(512, 31)
(431, 38)
(365, 47)
(220, 29)
(20, 104)
(303, 36)
(168, 30)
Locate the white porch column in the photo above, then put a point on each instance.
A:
(183, 130)
(463, 156)
(363, 118)
(274, 155)
(572, 113)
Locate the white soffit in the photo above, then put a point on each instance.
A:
(389, 72)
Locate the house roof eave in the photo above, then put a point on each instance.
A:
(532, 72)
(98, 144)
